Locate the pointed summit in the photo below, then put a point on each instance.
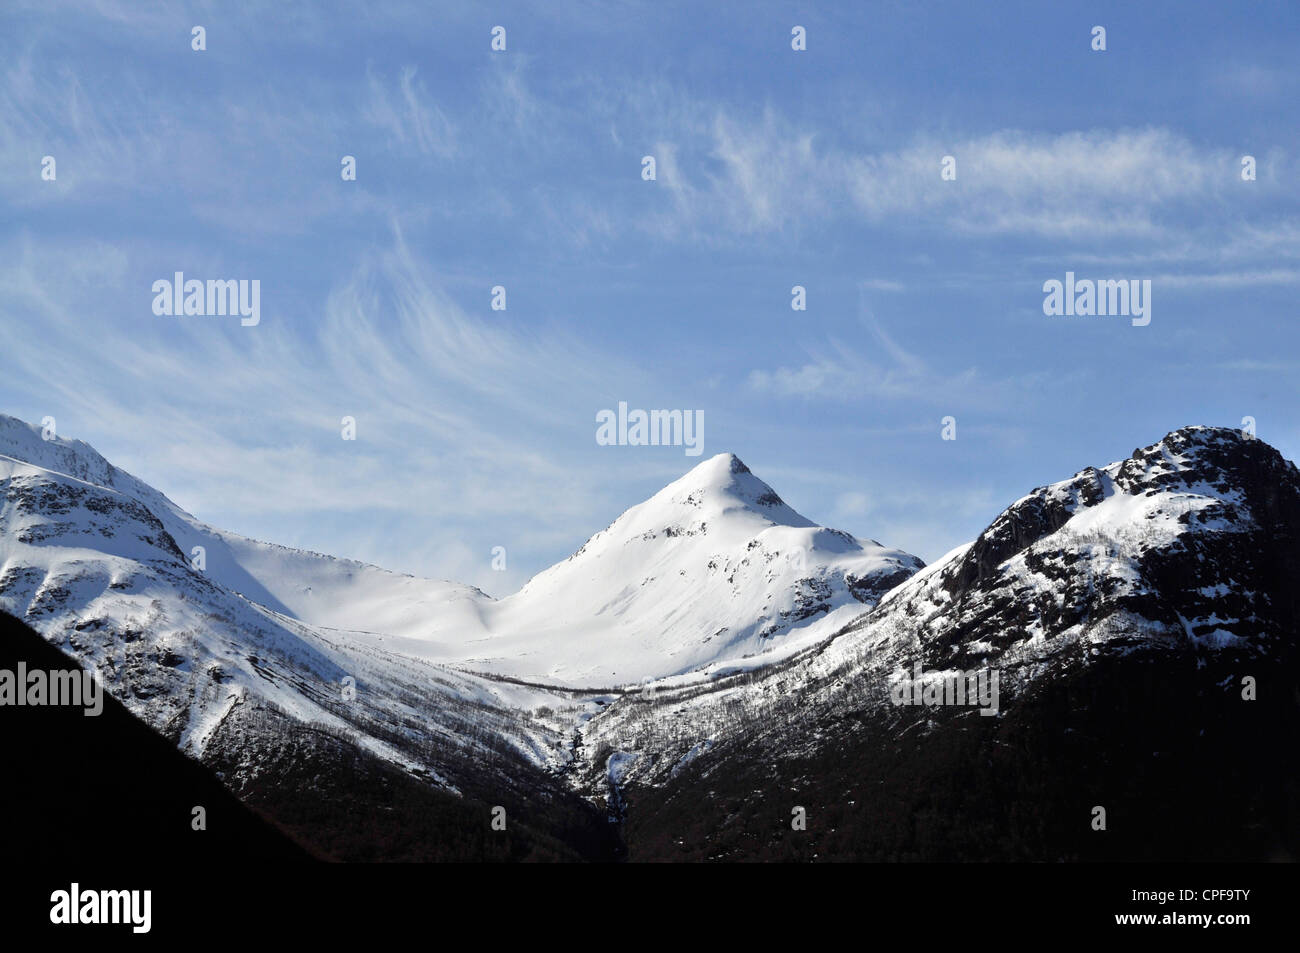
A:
(713, 569)
(718, 472)
(721, 485)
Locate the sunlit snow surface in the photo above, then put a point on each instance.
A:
(712, 573)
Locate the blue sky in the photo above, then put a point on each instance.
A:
(821, 168)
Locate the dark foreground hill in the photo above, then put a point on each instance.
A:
(109, 787)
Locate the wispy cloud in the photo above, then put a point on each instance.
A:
(524, 168)
(247, 421)
(770, 174)
(1235, 279)
(842, 372)
(408, 113)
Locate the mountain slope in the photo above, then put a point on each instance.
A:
(711, 573)
(276, 665)
(101, 577)
(1122, 610)
(310, 587)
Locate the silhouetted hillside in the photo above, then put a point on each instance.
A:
(108, 786)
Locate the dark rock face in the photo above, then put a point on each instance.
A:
(869, 589)
(1227, 574)
(1019, 527)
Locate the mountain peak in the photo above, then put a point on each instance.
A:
(31, 444)
(713, 568)
(1194, 455)
(1195, 476)
(1197, 435)
(723, 484)
(718, 469)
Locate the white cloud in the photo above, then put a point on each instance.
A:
(1234, 279)
(849, 505)
(452, 433)
(882, 284)
(838, 371)
(769, 174)
(407, 112)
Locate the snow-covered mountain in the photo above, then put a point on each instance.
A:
(194, 628)
(771, 644)
(1190, 544)
(103, 567)
(713, 571)
(310, 587)
(1152, 585)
